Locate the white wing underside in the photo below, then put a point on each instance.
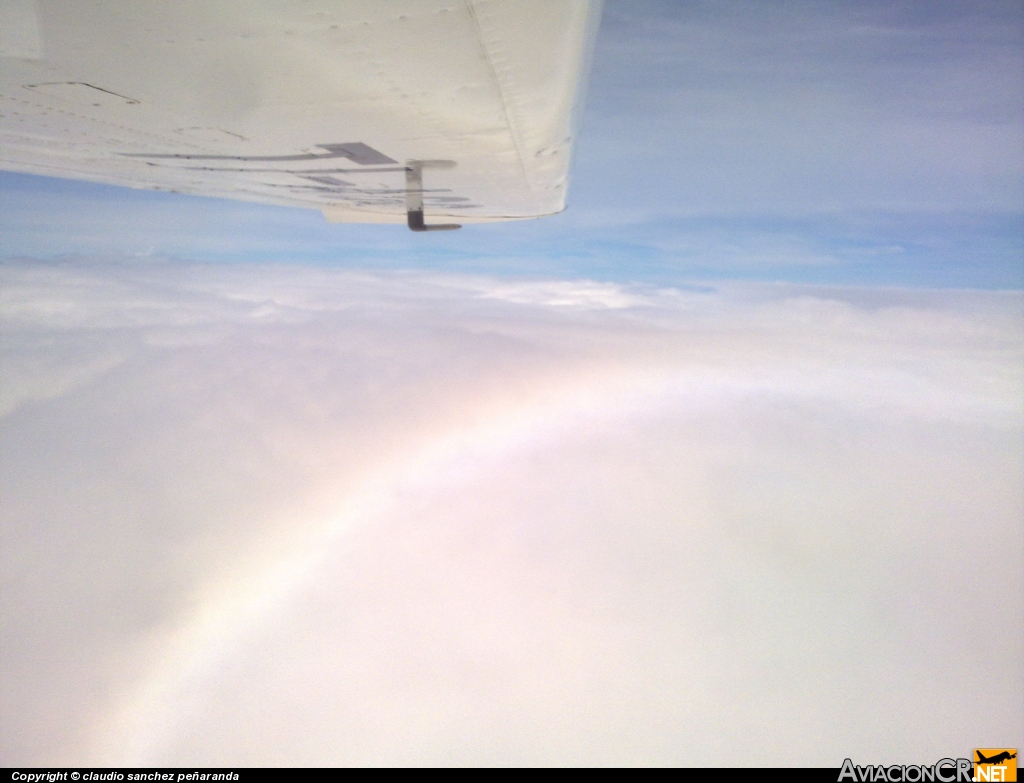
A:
(338, 106)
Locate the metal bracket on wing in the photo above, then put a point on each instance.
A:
(414, 194)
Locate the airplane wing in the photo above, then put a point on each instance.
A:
(370, 110)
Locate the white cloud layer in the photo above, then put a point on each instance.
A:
(294, 515)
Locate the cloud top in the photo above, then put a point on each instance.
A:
(296, 515)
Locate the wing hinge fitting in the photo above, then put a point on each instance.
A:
(414, 194)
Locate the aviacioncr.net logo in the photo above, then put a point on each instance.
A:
(942, 771)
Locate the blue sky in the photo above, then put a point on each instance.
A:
(844, 143)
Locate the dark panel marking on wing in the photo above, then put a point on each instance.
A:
(328, 180)
(356, 151)
(299, 172)
(35, 88)
(324, 185)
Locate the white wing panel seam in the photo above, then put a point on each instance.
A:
(513, 127)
